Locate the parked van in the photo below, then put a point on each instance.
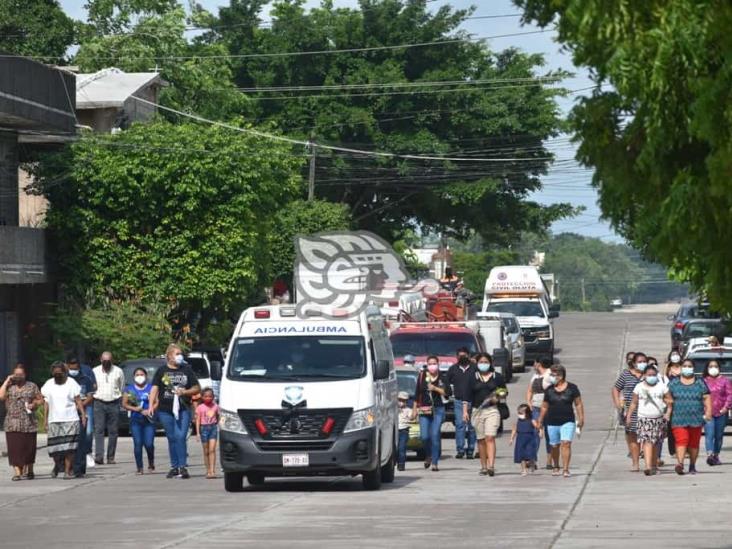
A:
(310, 396)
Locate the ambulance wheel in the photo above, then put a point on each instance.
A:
(234, 482)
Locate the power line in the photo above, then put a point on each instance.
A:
(302, 53)
(302, 143)
(410, 84)
(410, 92)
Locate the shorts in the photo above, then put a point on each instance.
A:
(209, 432)
(486, 422)
(561, 433)
(687, 437)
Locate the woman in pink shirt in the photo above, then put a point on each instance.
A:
(207, 427)
(720, 390)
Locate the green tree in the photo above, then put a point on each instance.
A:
(177, 214)
(608, 271)
(497, 109)
(300, 217)
(130, 330)
(657, 132)
(35, 28)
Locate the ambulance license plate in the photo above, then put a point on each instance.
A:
(295, 460)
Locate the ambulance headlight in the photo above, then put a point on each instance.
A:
(230, 421)
(361, 419)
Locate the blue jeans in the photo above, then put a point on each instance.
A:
(463, 428)
(176, 430)
(535, 412)
(86, 439)
(714, 434)
(402, 447)
(429, 432)
(143, 435)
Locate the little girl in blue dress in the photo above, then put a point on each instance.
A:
(523, 436)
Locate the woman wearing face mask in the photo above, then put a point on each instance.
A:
(63, 409)
(21, 398)
(561, 401)
(720, 391)
(172, 388)
(673, 370)
(136, 400)
(432, 391)
(622, 395)
(692, 408)
(653, 403)
(487, 389)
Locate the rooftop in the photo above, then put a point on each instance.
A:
(110, 88)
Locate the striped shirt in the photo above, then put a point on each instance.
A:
(626, 383)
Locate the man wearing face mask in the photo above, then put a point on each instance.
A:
(622, 395)
(84, 376)
(458, 377)
(110, 384)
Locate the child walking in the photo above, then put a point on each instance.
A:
(207, 427)
(524, 436)
(405, 418)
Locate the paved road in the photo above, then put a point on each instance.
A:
(601, 505)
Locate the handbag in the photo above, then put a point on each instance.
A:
(503, 410)
(424, 409)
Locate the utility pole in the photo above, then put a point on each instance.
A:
(311, 177)
(582, 282)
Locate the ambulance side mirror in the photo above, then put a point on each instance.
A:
(381, 370)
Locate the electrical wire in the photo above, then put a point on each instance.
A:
(300, 53)
(292, 141)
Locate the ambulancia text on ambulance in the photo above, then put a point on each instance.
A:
(308, 396)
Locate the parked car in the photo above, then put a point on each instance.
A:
(685, 313)
(700, 328)
(616, 303)
(128, 368)
(207, 363)
(407, 381)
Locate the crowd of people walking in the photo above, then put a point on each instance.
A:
(676, 405)
(81, 408)
(553, 410)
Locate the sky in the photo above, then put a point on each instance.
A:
(567, 181)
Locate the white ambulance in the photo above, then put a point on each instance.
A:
(308, 396)
(521, 291)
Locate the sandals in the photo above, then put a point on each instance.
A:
(491, 472)
(427, 463)
(556, 472)
(16, 478)
(483, 472)
(29, 476)
(566, 473)
(679, 469)
(210, 476)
